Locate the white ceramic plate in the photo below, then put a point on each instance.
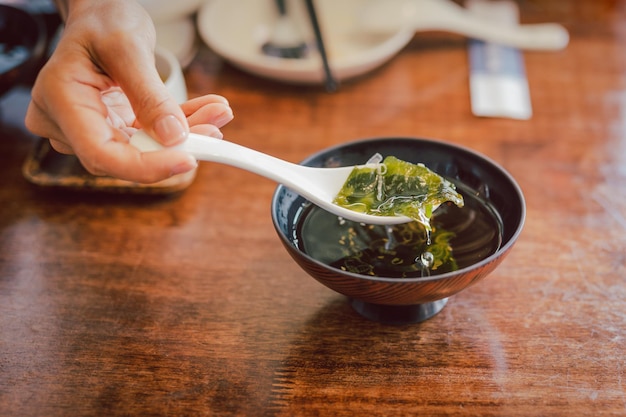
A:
(237, 29)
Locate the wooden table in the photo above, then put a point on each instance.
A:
(189, 305)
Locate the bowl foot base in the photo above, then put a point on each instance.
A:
(398, 314)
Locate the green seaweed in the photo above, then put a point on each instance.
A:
(396, 251)
(395, 187)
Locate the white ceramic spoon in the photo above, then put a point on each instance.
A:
(286, 40)
(318, 185)
(388, 16)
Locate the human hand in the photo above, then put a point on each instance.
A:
(100, 85)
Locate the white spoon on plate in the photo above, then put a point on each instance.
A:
(318, 185)
(286, 40)
(388, 16)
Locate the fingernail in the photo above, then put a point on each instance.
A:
(217, 134)
(224, 118)
(169, 130)
(183, 167)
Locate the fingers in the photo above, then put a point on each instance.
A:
(61, 147)
(68, 108)
(122, 160)
(208, 130)
(101, 83)
(215, 113)
(194, 104)
(123, 47)
(66, 102)
(157, 112)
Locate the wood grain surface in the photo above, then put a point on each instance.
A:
(188, 305)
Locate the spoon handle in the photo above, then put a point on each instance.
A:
(318, 185)
(206, 148)
(313, 183)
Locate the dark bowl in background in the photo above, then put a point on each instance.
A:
(23, 41)
(407, 300)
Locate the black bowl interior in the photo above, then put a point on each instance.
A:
(458, 164)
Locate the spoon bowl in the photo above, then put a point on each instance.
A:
(318, 185)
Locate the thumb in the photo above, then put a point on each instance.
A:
(157, 112)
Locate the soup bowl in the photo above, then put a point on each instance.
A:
(399, 300)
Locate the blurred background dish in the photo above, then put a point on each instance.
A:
(171, 73)
(22, 45)
(178, 37)
(174, 24)
(380, 16)
(237, 30)
(168, 10)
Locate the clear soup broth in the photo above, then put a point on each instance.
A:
(469, 234)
